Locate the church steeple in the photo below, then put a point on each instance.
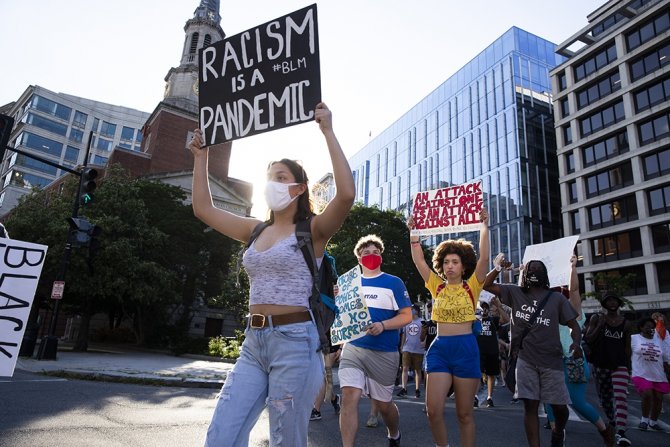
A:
(202, 30)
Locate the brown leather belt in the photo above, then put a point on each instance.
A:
(259, 321)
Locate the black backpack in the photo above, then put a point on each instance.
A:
(322, 299)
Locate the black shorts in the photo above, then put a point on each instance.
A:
(489, 363)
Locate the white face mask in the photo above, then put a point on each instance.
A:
(277, 196)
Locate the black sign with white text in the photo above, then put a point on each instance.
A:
(260, 80)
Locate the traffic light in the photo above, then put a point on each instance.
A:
(6, 126)
(87, 185)
(81, 231)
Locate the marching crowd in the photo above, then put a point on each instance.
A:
(528, 334)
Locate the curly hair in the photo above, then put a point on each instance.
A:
(464, 249)
(305, 209)
(367, 240)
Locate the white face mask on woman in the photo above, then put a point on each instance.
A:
(277, 196)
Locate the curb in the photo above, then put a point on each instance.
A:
(183, 382)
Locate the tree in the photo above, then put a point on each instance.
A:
(391, 227)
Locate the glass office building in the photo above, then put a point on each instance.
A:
(491, 121)
(56, 126)
(612, 107)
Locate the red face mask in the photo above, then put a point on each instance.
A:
(371, 262)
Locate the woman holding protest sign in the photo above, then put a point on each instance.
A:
(279, 365)
(453, 358)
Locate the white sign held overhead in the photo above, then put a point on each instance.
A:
(556, 257)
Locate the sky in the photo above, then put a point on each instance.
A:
(378, 58)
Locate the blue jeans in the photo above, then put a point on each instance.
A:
(279, 367)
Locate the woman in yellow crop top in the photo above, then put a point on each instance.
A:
(453, 357)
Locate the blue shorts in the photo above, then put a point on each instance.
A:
(457, 355)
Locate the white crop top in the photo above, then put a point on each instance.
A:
(278, 275)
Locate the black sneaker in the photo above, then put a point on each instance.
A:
(402, 392)
(336, 404)
(621, 439)
(489, 403)
(315, 416)
(395, 442)
(417, 394)
(476, 403)
(514, 401)
(558, 439)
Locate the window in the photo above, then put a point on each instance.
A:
(35, 165)
(103, 144)
(601, 119)
(45, 123)
(617, 246)
(76, 135)
(567, 135)
(656, 165)
(79, 119)
(659, 200)
(107, 129)
(654, 129)
(194, 43)
(41, 144)
(648, 30)
(565, 108)
(562, 81)
(613, 213)
(606, 24)
(663, 273)
(574, 222)
(660, 235)
(597, 90)
(652, 95)
(570, 162)
(71, 154)
(51, 107)
(595, 63)
(610, 180)
(572, 191)
(127, 133)
(649, 62)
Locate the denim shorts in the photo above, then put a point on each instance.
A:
(457, 355)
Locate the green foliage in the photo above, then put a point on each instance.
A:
(227, 348)
(154, 258)
(391, 227)
(612, 282)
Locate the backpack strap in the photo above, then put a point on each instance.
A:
(303, 233)
(258, 229)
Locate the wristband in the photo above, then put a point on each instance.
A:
(383, 327)
(497, 267)
(414, 242)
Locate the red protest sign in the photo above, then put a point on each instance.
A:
(454, 209)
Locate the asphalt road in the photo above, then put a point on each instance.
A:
(44, 411)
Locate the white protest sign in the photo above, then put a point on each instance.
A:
(556, 257)
(352, 316)
(453, 209)
(20, 268)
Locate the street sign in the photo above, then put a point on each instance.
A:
(57, 290)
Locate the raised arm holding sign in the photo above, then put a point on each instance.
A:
(453, 209)
(263, 79)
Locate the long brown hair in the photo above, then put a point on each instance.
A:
(304, 210)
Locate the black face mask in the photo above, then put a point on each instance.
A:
(533, 279)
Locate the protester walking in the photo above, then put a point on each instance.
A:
(537, 312)
(280, 366)
(487, 340)
(369, 364)
(454, 283)
(650, 364)
(608, 339)
(412, 352)
(577, 370)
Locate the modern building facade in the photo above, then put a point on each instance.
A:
(612, 103)
(490, 121)
(56, 127)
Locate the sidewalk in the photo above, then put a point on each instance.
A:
(118, 363)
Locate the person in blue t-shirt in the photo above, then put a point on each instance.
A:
(369, 364)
